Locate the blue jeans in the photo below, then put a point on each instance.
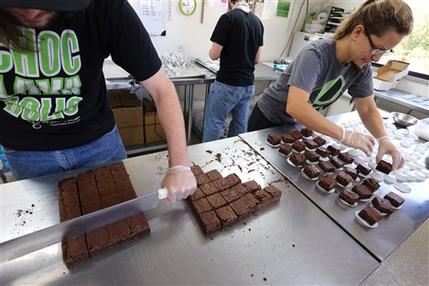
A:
(222, 100)
(105, 150)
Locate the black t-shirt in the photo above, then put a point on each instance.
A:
(54, 97)
(241, 35)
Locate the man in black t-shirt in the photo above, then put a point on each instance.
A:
(237, 40)
(54, 112)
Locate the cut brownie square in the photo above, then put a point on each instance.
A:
(336, 162)
(288, 139)
(232, 194)
(296, 134)
(274, 139)
(320, 141)
(226, 215)
(343, 179)
(227, 182)
(216, 200)
(251, 186)
(310, 144)
(312, 171)
(198, 194)
(67, 184)
(210, 222)
(333, 151)
(370, 215)
(351, 172)
(213, 175)
(346, 158)
(250, 201)
(118, 169)
(240, 208)
(209, 188)
(326, 167)
(394, 199)
(285, 149)
(74, 250)
(349, 197)
(371, 184)
(201, 205)
(322, 152)
(311, 156)
(363, 170)
(202, 179)
(306, 132)
(264, 198)
(298, 146)
(383, 205)
(384, 167)
(327, 183)
(297, 159)
(273, 191)
(362, 191)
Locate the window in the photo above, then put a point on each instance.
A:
(414, 48)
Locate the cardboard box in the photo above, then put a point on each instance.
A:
(138, 135)
(114, 98)
(133, 116)
(389, 75)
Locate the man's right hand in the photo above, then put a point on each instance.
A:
(358, 140)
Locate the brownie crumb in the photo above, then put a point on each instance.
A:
(265, 279)
(218, 157)
(251, 275)
(209, 151)
(262, 149)
(293, 245)
(250, 229)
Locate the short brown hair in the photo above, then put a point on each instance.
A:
(378, 16)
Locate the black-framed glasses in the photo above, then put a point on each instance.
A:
(376, 51)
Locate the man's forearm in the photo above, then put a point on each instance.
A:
(170, 115)
(372, 120)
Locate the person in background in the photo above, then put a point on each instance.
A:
(55, 115)
(237, 41)
(325, 69)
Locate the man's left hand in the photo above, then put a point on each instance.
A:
(180, 183)
(385, 146)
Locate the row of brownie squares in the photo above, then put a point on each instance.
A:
(91, 191)
(296, 135)
(221, 202)
(379, 207)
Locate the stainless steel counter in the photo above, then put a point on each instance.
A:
(411, 101)
(292, 243)
(393, 230)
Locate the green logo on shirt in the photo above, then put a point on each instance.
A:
(328, 94)
(39, 94)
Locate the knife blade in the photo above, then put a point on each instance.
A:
(20, 246)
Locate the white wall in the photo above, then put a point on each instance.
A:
(188, 33)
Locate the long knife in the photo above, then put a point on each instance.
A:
(39, 239)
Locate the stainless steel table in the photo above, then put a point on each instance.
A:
(411, 101)
(292, 243)
(393, 230)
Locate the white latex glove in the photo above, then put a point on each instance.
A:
(180, 183)
(358, 140)
(385, 146)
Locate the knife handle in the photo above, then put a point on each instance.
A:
(162, 193)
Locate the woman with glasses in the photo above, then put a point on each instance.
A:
(325, 69)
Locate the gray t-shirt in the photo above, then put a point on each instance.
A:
(317, 71)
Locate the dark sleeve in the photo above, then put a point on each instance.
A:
(128, 42)
(221, 31)
(307, 67)
(363, 85)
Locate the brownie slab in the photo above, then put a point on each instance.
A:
(383, 205)
(198, 194)
(311, 145)
(333, 151)
(251, 186)
(351, 172)
(298, 146)
(326, 167)
(296, 134)
(227, 182)
(384, 167)
(297, 159)
(346, 158)
(202, 205)
(209, 188)
(213, 175)
(362, 191)
(319, 140)
(337, 163)
(311, 171)
(394, 199)
(363, 170)
(370, 215)
(273, 191)
(322, 152)
(327, 183)
(343, 179)
(371, 184)
(306, 132)
(240, 208)
(311, 156)
(349, 197)
(288, 139)
(285, 149)
(274, 139)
